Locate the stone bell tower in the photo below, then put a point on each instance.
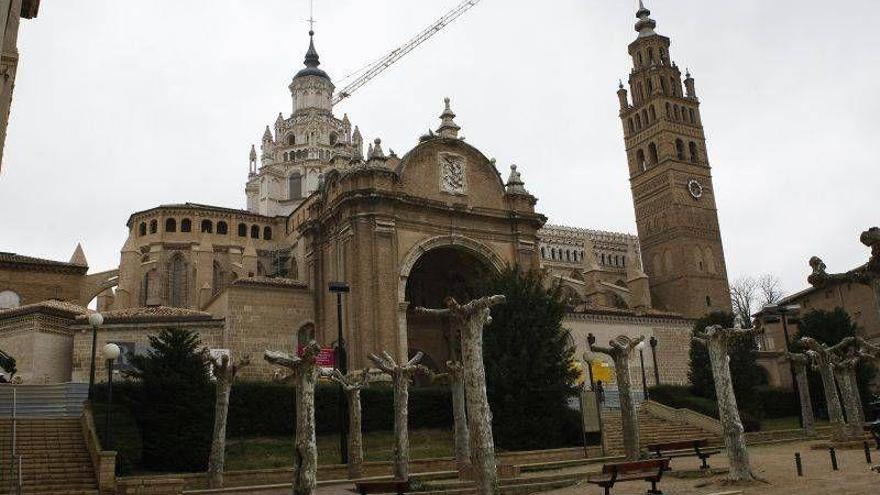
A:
(671, 180)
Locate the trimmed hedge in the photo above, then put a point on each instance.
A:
(778, 402)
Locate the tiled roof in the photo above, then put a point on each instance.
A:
(151, 314)
(30, 261)
(649, 313)
(270, 282)
(51, 306)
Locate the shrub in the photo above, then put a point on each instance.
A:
(778, 402)
(679, 396)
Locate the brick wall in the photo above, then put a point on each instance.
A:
(34, 286)
(41, 345)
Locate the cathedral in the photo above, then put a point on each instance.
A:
(400, 232)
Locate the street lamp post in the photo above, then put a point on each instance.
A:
(111, 354)
(340, 288)
(653, 342)
(782, 312)
(591, 339)
(641, 348)
(95, 321)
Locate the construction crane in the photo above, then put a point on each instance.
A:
(376, 68)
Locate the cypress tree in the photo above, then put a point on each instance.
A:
(529, 373)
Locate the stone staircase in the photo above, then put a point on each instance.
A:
(651, 430)
(55, 460)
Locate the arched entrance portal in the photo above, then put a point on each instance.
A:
(451, 270)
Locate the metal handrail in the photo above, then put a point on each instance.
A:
(15, 485)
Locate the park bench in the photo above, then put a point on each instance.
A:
(650, 470)
(874, 429)
(398, 487)
(685, 448)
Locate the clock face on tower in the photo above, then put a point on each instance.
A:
(695, 188)
(453, 173)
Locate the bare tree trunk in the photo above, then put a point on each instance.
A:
(459, 412)
(716, 339)
(401, 426)
(629, 415)
(852, 401)
(217, 459)
(305, 455)
(620, 350)
(734, 432)
(832, 402)
(805, 400)
(355, 437)
(224, 372)
(479, 413)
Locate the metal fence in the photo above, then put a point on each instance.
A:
(61, 400)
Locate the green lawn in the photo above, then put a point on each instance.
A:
(789, 423)
(266, 453)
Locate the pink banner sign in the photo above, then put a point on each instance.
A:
(326, 357)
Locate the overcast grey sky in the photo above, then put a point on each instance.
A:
(123, 105)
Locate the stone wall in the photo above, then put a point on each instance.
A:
(41, 345)
(673, 336)
(34, 285)
(210, 332)
(261, 317)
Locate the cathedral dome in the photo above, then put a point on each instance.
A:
(312, 61)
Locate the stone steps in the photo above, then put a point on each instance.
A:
(55, 460)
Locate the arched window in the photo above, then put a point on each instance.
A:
(679, 149)
(567, 255)
(640, 160)
(170, 225)
(543, 253)
(255, 231)
(242, 230)
(294, 185)
(207, 226)
(693, 115)
(154, 226)
(552, 253)
(698, 259)
(177, 281)
(218, 278)
(652, 153)
(710, 260)
(668, 110)
(638, 121)
(291, 139)
(261, 270)
(142, 228)
(286, 157)
(267, 233)
(676, 111)
(632, 126)
(663, 86)
(653, 113)
(708, 301)
(673, 83)
(9, 299)
(641, 59)
(186, 225)
(695, 156)
(645, 118)
(222, 228)
(603, 258)
(651, 54)
(333, 138)
(650, 86)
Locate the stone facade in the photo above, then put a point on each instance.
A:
(11, 12)
(856, 299)
(26, 280)
(671, 180)
(407, 231)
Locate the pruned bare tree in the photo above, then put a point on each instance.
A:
(470, 319)
(224, 371)
(305, 456)
(801, 362)
(455, 377)
(717, 340)
(352, 384)
(823, 362)
(620, 349)
(401, 376)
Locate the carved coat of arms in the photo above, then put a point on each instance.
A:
(453, 173)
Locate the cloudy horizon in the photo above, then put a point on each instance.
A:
(122, 106)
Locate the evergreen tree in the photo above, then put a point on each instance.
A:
(829, 328)
(746, 373)
(175, 406)
(529, 371)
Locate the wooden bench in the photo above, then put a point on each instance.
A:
(398, 487)
(685, 448)
(650, 470)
